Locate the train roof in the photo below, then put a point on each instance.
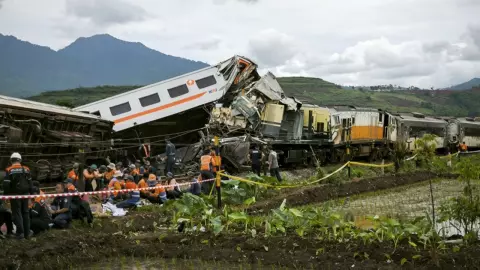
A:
(80, 108)
(469, 121)
(24, 104)
(420, 118)
(343, 108)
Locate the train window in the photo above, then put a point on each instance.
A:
(149, 100)
(206, 82)
(353, 121)
(321, 127)
(178, 91)
(97, 113)
(380, 117)
(119, 109)
(472, 132)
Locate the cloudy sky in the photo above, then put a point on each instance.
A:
(406, 42)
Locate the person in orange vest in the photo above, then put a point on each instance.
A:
(143, 184)
(18, 181)
(463, 147)
(110, 172)
(206, 170)
(40, 216)
(134, 172)
(159, 194)
(115, 185)
(73, 173)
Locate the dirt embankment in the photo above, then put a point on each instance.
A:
(84, 247)
(322, 193)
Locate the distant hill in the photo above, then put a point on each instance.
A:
(318, 91)
(27, 69)
(473, 83)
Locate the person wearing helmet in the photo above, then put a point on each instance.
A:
(109, 173)
(88, 175)
(18, 181)
(73, 173)
(134, 172)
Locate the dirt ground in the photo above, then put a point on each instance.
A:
(140, 243)
(326, 192)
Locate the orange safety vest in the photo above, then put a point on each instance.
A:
(109, 175)
(73, 175)
(463, 147)
(216, 161)
(206, 163)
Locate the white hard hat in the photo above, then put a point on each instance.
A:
(16, 155)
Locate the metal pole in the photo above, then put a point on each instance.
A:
(218, 180)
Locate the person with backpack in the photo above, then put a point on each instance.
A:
(18, 181)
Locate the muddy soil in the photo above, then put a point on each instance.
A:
(326, 192)
(85, 247)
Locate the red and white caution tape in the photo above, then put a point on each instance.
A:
(71, 194)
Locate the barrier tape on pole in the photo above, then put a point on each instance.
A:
(72, 194)
(370, 165)
(285, 186)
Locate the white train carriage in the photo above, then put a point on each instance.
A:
(413, 126)
(172, 96)
(464, 130)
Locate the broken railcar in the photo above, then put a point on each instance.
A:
(413, 126)
(466, 130)
(178, 107)
(49, 137)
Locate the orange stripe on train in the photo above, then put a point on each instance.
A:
(159, 108)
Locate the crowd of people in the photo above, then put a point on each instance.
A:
(127, 186)
(32, 216)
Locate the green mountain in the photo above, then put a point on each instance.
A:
(318, 91)
(473, 83)
(27, 69)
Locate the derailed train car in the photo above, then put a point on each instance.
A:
(49, 137)
(232, 101)
(466, 130)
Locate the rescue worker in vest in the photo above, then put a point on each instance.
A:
(109, 173)
(115, 185)
(41, 218)
(273, 165)
(173, 190)
(206, 170)
(133, 196)
(157, 195)
(170, 152)
(60, 208)
(6, 218)
(143, 184)
(264, 159)
(134, 172)
(463, 147)
(18, 181)
(256, 159)
(88, 176)
(73, 173)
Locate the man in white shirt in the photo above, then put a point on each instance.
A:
(273, 165)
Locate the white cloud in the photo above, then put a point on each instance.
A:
(372, 41)
(106, 12)
(272, 48)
